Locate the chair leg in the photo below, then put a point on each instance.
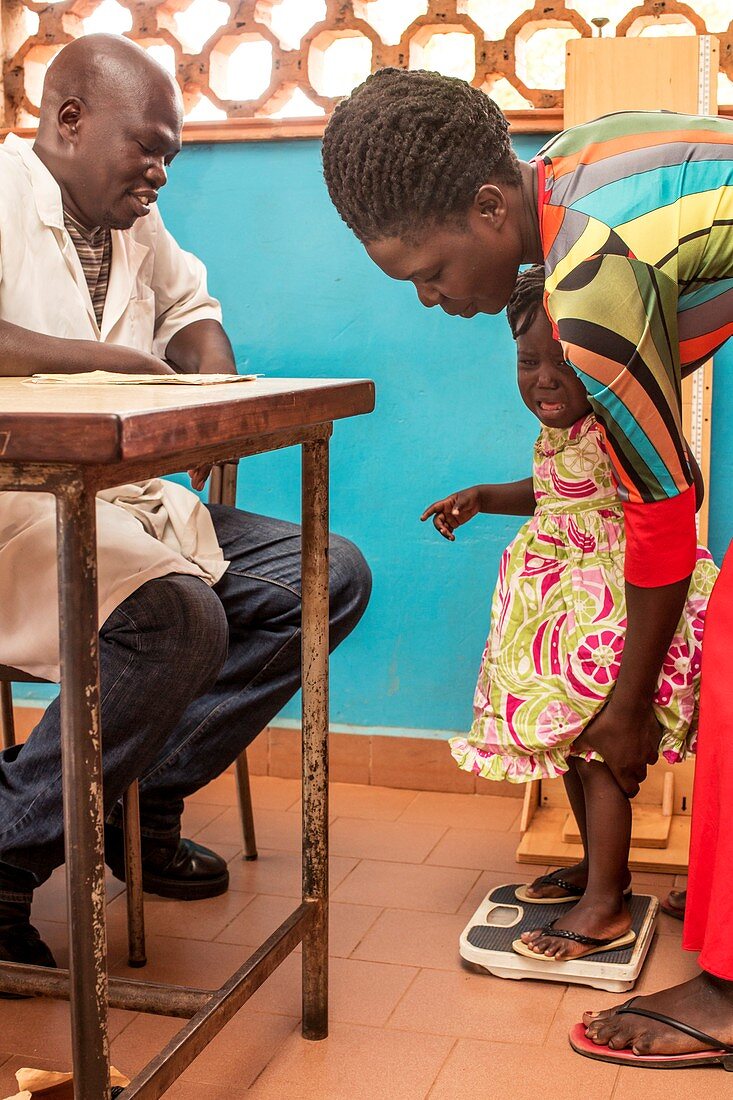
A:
(224, 491)
(134, 877)
(7, 722)
(246, 816)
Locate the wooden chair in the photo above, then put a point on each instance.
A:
(223, 490)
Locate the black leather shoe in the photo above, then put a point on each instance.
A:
(186, 871)
(20, 941)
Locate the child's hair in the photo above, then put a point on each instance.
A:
(526, 299)
(409, 148)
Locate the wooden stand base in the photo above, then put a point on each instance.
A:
(544, 844)
(660, 835)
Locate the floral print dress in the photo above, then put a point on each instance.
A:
(558, 620)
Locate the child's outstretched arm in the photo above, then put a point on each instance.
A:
(516, 498)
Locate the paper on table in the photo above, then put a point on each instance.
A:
(108, 378)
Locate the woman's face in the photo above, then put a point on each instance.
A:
(465, 267)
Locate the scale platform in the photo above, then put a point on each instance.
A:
(486, 942)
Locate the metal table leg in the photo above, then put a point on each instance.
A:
(315, 733)
(82, 787)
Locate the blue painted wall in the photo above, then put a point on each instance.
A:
(301, 298)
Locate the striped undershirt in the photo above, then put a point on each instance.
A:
(94, 249)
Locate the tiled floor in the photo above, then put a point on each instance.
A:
(407, 869)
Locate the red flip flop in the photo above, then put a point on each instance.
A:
(721, 1054)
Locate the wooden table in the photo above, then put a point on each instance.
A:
(73, 441)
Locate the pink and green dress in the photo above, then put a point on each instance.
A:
(558, 620)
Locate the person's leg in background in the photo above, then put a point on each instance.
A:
(705, 1002)
(260, 593)
(147, 678)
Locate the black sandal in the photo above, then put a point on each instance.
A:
(593, 945)
(551, 879)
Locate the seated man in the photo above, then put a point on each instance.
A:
(200, 642)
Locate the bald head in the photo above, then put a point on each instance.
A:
(104, 70)
(110, 125)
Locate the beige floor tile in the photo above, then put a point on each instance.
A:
(462, 811)
(478, 1006)
(693, 1084)
(360, 992)
(488, 1070)
(197, 815)
(170, 959)
(222, 791)
(38, 1031)
(484, 849)
(271, 793)
(231, 853)
(230, 1062)
(360, 1063)
(348, 923)
(398, 841)
(414, 939)
(275, 829)
(370, 803)
(49, 900)
(192, 920)
(666, 964)
(280, 873)
(406, 886)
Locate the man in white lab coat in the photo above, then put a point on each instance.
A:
(200, 607)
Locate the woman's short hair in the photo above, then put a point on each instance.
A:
(409, 149)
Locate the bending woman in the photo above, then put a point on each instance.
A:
(632, 217)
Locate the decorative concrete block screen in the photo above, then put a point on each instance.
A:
(276, 68)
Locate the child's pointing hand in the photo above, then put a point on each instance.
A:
(453, 511)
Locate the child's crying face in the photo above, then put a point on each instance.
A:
(550, 388)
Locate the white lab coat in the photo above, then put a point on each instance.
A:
(155, 289)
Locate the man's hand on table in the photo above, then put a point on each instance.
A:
(627, 740)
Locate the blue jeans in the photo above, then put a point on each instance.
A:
(189, 676)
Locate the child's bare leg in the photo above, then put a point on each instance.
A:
(577, 875)
(602, 911)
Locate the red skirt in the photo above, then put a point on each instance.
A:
(709, 909)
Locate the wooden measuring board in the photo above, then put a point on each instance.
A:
(624, 74)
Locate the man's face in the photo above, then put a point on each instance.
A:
(120, 157)
(465, 268)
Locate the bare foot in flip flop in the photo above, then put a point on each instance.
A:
(563, 883)
(589, 926)
(705, 1003)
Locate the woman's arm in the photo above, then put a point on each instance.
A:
(605, 312)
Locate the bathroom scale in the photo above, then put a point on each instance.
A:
(486, 942)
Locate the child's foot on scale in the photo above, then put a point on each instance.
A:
(576, 877)
(601, 920)
(548, 886)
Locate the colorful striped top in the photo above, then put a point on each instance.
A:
(636, 220)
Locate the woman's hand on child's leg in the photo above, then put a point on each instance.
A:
(453, 511)
(629, 743)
